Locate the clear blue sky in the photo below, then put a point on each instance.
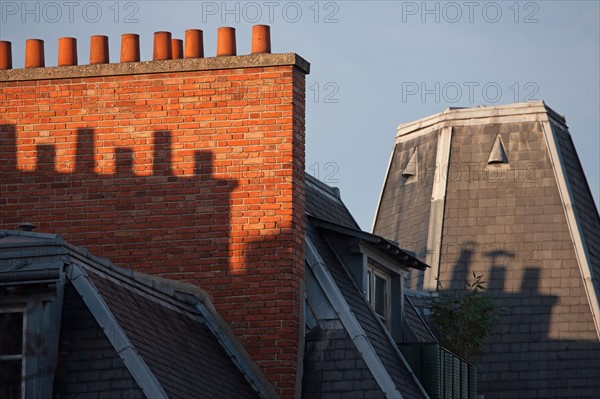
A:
(374, 64)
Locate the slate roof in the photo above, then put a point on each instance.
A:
(416, 329)
(172, 337)
(582, 200)
(88, 365)
(166, 331)
(323, 203)
(551, 307)
(334, 368)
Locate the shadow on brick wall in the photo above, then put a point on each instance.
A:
(177, 226)
(191, 228)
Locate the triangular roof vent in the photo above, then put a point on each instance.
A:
(411, 168)
(498, 154)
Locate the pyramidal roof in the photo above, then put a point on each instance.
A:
(505, 196)
(580, 209)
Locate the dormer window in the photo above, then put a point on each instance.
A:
(12, 353)
(378, 268)
(378, 293)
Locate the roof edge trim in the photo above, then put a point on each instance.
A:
(412, 305)
(437, 208)
(581, 252)
(357, 334)
(55, 239)
(379, 242)
(200, 300)
(460, 117)
(133, 361)
(45, 272)
(236, 351)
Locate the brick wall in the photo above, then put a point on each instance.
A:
(192, 169)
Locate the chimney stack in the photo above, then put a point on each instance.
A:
(176, 128)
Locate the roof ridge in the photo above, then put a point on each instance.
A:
(453, 115)
(42, 237)
(334, 191)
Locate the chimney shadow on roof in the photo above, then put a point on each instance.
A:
(524, 352)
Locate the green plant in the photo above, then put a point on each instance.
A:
(465, 319)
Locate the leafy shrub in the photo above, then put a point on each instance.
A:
(465, 319)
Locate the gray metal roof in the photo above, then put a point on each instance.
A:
(390, 248)
(27, 257)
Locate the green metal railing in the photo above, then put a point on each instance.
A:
(443, 374)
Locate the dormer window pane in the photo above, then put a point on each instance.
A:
(369, 286)
(11, 326)
(380, 296)
(10, 379)
(11, 354)
(378, 293)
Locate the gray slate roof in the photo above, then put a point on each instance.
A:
(583, 203)
(334, 368)
(323, 203)
(173, 338)
(166, 327)
(88, 365)
(416, 329)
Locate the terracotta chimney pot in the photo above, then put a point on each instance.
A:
(226, 41)
(99, 49)
(130, 47)
(176, 49)
(34, 53)
(5, 54)
(67, 51)
(261, 39)
(162, 46)
(194, 43)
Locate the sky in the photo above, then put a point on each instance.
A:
(374, 64)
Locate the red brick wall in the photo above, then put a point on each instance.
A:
(194, 175)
